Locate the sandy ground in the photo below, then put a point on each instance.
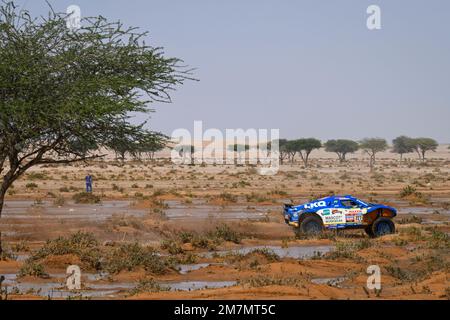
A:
(154, 202)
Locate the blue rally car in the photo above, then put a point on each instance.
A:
(340, 212)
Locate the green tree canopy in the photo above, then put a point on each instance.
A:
(305, 146)
(66, 93)
(423, 145)
(372, 146)
(341, 147)
(402, 145)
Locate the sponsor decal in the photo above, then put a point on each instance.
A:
(336, 219)
(315, 204)
(326, 212)
(335, 211)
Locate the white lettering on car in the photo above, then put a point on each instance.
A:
(313, 205)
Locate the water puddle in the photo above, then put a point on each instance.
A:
(198, 285)
(46, 210)
(186, 268)
(55, 288)
(298, 252)
(202, 210)
(333, 282)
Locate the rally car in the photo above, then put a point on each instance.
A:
(340, 212)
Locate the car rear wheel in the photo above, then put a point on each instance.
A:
(311, 225)
(382, 226)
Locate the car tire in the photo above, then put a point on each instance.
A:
(311, 225)
(383, 226)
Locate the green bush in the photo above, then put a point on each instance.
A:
(86, 198)
(147, 285)
(131, 256)
(83, 245)
(225, 233)
(32, 269)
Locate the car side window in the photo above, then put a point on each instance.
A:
(349, 204)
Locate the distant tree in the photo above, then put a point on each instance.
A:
(402, 145)
(291, 150)
(341, 147)
(238, 148)
(305, 146)
(423, 145)
(185, 151)
(283, 152)
(372, 146)
(151, 144)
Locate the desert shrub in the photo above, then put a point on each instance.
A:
(21, 246)
(277, 192)
(59, 201)
(37, 176)
(227, 197)
(439, 240)
(409, 220)
(32, 269)
(264, 281)
(131, 256)
(86, 198)
(407, 191)
(64, 189)
(404, 275)
(147, 285)
(7, 254)
(203, 242)
(347, 250)
(186, 237)
(254, 197)
(413, 232)
(81, 244)
(31, 185)
(268, 254)
(172, 246)
(225, 233)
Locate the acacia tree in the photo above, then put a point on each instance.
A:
(423, 145)
(283, 153)
(238, 149)
(372, 146)
(341, 147)
(63, 91)
(402, 145)
(291, 148)
(152, 144)
(185, 151)
(305, 146)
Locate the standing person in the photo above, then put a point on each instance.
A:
(89, 183)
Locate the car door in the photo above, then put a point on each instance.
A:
(352, 211)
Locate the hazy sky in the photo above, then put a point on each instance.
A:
(309, 68)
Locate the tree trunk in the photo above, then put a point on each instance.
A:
(2, 200)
